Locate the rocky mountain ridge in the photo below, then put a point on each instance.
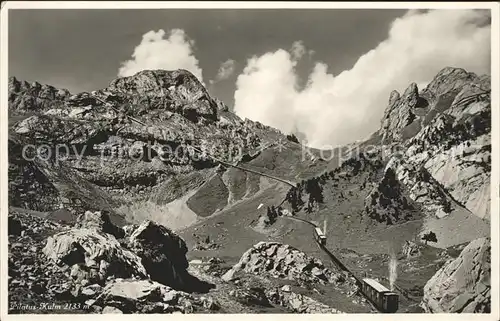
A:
(105, 153)
(133, 175)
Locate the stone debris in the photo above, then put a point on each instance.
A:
(298, 303)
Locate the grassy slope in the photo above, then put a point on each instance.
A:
(348, 229)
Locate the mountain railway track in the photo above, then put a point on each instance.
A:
(360, 283)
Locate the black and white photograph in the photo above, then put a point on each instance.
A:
(249, 158)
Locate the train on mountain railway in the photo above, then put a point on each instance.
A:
(383, 299)
(319, 236)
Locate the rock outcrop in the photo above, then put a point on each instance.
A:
(97, 250)
(177, 90)
(282, 261)
(26, 97)
(93, 255)
(399, 114)
(162, 253)
(146, 296)
(421, 187)
(100, 222)
(462, 285)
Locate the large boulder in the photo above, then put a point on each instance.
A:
(93, 255)
(162, 252)
(281, 261)
(462, 285)
(99, 221)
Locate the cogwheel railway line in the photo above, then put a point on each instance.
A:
(381, 299)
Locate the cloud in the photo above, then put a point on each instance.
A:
(339, 109)
(157, 52)
(225, 71)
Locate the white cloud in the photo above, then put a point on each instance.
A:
(156, 52)
(225, 71)
(346, 107)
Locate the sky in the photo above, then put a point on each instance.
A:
(323, 74)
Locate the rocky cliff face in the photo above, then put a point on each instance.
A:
(445, 131)
(463, 284)
(122, 143)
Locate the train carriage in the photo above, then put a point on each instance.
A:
(319, 236)
(384, 299)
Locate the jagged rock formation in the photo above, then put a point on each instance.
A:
(26, 97)
(435, 145)
(282, 261)
(399, 114)
(446, 131)
(463, 284)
